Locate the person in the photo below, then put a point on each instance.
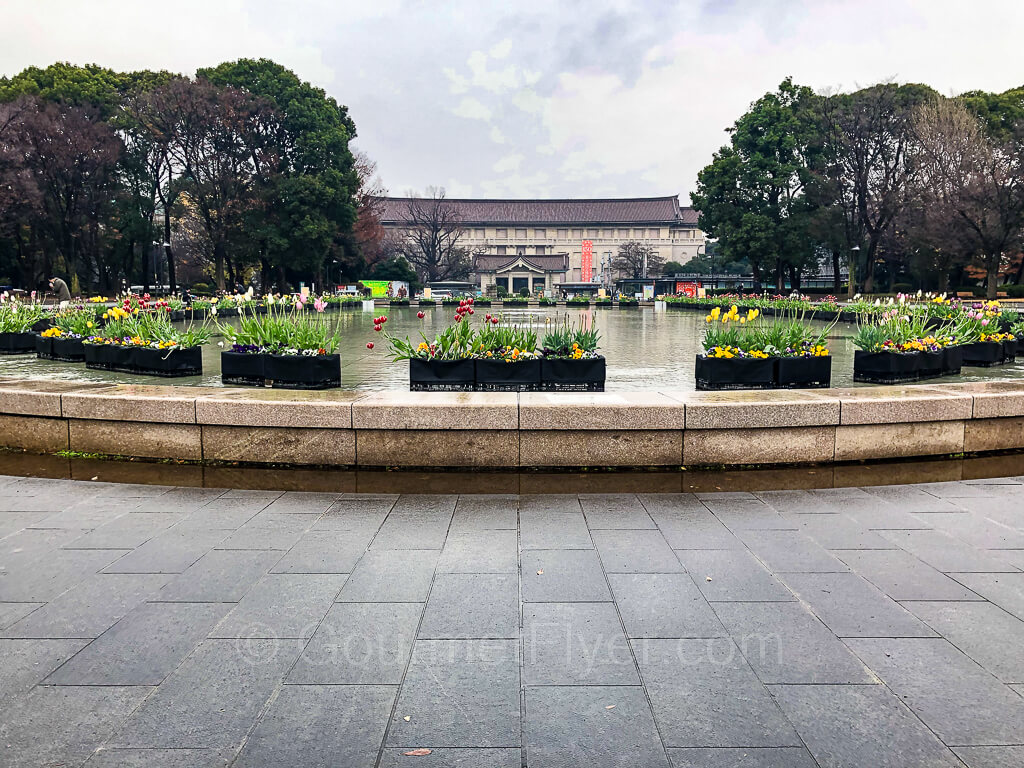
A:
(60, 289)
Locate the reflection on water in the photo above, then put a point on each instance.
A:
(645, 350)
(478, 482)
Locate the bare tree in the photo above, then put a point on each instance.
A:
(433, 232)
(368, 233)
(974, 185)
(636, 260)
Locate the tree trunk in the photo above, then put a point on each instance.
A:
(145, 267)
(837, 282)
(851, 281)
(992, 275)
(218, 265)
(282, 283)
(780, 280)
(169, 253)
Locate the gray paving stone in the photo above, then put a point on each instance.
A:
(956, 490)
(732, 575)
(983, 631)
(27, 662)
(170, 552)
(563, 576)
(663, 605)
(738, 757)
(459, 693)
(211, 700)
(1004, 589)
(635, 552)
(125, 532)
(164, 758)
(302, 502)
(705, 695)
(91, 608)
(486, 513)
(13, 522)
(902, 576)
(889, 519)
(591, 727)
(947, 554)
(991, 757)
(366, 643)
(62, 726)
(911, 498)
(752, 515)
(785, 643)
(269, 530)
(575, 644)
(20, 549)
(282, 605)
(791, 552)
(554, 530)
(977, 530)
(416, 522)
(494, 551)
(695, 529)
(887, 734)
(923, 673)
(391, 576)
(229, 513)
(143, 648)
(11, 613)
(222, 576)
(549, 503)
(323, 552)
(49, 577)
(455, 758)
(615, 510)
(795, 502)
(838, 531)
(337, 725)
(464, 606)
(851, 607)
(363, 513)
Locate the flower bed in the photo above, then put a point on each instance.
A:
(63, 340)
(144, 342)
(496, 357)
(17, 323)
(741, 351)
(287, 347)
(515, 302)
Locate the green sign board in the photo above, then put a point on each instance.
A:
(378, 287)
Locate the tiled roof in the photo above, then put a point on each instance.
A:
(638, 210)
(556, 262)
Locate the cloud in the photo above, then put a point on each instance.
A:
(472, 109)
(508, 164)
(502, 49)
(497, 136)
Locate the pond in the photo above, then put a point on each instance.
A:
(645, 350)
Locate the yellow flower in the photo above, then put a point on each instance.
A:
(88, 325)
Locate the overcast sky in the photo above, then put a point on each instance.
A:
(541, 99)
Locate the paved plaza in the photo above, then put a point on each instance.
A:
(182, 627)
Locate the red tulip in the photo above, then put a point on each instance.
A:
(470, 310)
(487, 316)
(369, 345)
(469, 301)
(383, 319)
(420, 315)
(377, 327)
(494, 320)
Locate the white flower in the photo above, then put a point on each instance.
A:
(220, 343)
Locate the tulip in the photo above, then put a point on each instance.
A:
(470, 310)
(420, 315)
(369, 345)
(378, 327)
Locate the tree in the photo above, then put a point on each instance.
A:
(973, 183)
(672, 268)
(431, 235)
(636, 260)
(869, 166)
(752, 196)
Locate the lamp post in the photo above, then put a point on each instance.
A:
(851, 279)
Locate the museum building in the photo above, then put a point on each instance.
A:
(559, 245)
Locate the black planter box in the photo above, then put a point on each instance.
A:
(583, 375)
(441, 375)
(303, 371)
(499, 376)
(56, 348)
(107, 357)
(17, 343)
(169, 363)
(242, 368)
(886, 367)
(803, 372)
(714, 373)
(983, 354)
(952, 360)
(176, 315)
(933, 364)
(1009, 350)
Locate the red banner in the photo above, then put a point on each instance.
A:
(588, 261)
(686, 289)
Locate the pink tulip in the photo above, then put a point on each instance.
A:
(984, 322)
(320, 305)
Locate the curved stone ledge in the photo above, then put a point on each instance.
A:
(507, 430)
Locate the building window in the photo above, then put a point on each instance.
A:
(478, 233)
(563, 234)
(501, 233)
(577, 233)
(623, 233)
(521, 234)
(540, 234)
(609, 233)
(653, 233)
(540, 250)
(591, 233)
(501, 250)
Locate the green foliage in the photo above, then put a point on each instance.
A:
(395, 268)
(283, 330)
(565, 338)
(16, 317)
(673, 267)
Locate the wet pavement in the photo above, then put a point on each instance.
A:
(151, 625)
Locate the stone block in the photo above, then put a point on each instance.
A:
(600, 410)
(992, 399)
(33, 433)
(128, 438)
(277, 408)
(993, 434)
(35, 398)
(738, 410)
(891, 405)
(890, 441)
(601, 448)
(783, 445)
(436, 448)
(279, 445)
(134, 402)
(436, 410)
